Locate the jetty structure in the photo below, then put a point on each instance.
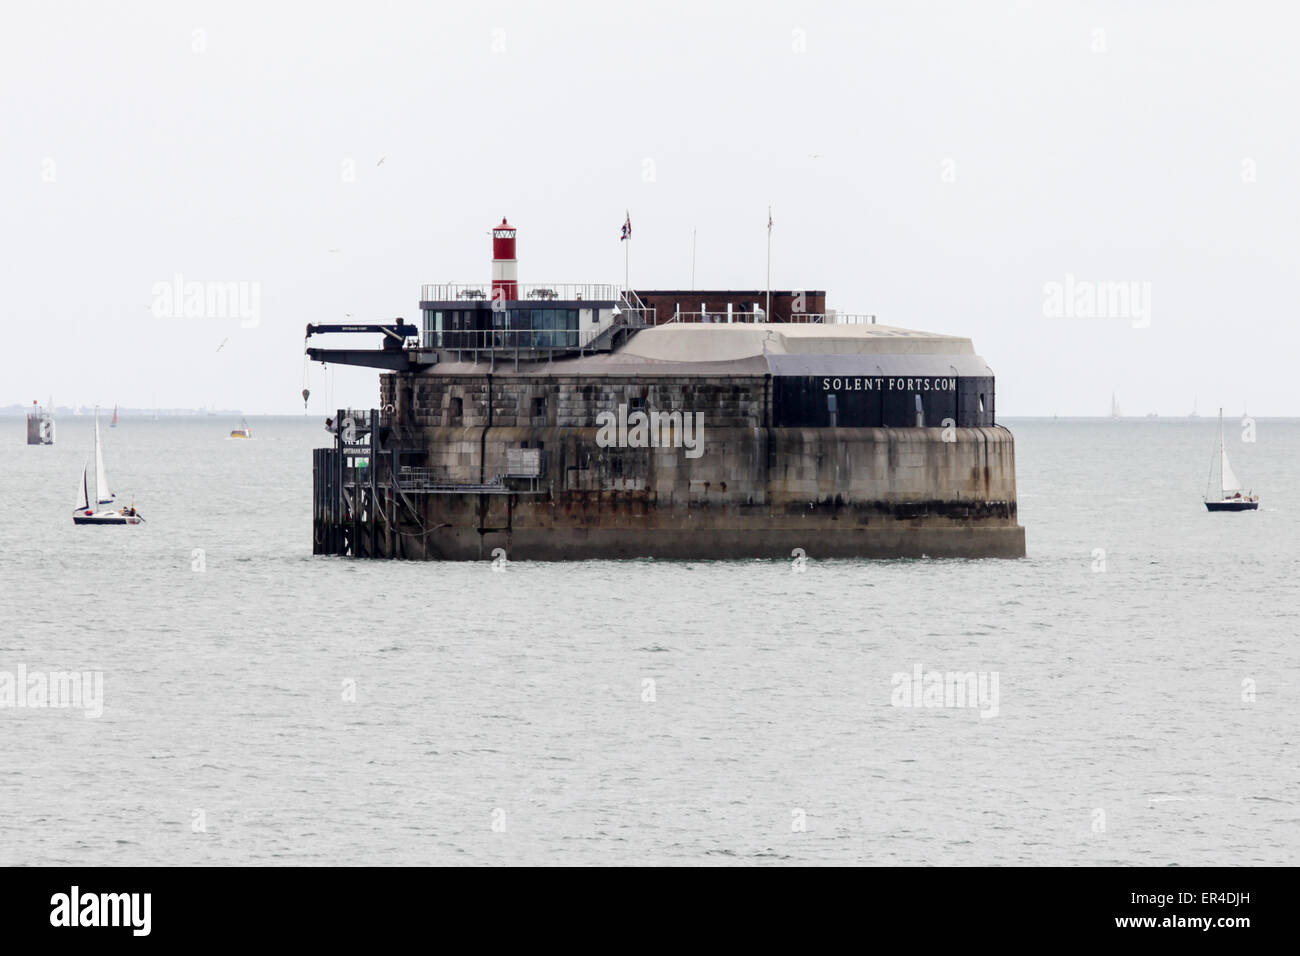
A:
(40, 424)
(561, 421)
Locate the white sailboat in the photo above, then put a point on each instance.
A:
(92, 497)
(1114, 407)
(1229, 496)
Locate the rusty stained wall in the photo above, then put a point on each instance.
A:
(449, 401)
(751, 490)
(741, 459)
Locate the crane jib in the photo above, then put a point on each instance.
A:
(401, 330)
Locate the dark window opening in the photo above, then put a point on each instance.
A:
(539, 407)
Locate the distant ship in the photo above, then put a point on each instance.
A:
(243, 431)
(40, 425)
(1229, 497)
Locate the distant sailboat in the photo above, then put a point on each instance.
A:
(1194, 413)
(113, 423)
(1114, 407)
(92, 496)
(1229, 496)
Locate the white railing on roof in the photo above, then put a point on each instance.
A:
(724, 317)
(528, 292)
(798, 318)
(849, 318)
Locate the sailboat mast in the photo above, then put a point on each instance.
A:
(102, 492)
(98, 469)
(1221, 453)
(1214, 456)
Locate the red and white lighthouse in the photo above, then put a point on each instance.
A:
(505, 267)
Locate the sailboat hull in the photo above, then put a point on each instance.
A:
(102, 517)
(1231, 505)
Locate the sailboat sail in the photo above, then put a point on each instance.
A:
(103, 495)
(83, 491)
(1230, 482)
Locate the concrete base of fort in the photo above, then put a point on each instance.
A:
(722, 544)
(750, 493)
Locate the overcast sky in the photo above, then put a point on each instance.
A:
(936, 164)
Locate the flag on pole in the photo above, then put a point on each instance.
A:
(627, 228)
(769, 218)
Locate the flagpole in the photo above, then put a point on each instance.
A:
(767, 316)
(627, 254)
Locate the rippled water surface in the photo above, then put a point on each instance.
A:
(651, 712)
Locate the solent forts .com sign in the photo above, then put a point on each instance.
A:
(859, 383)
